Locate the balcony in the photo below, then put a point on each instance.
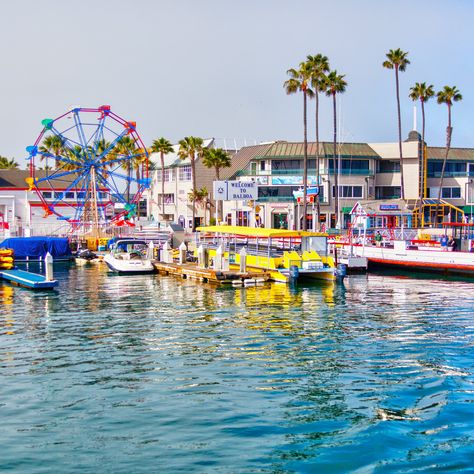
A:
(299, 172)
(449, 174)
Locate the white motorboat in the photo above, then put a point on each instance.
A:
(130, 256)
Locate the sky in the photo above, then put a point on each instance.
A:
(216, 68)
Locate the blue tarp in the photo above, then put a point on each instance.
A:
(38, 247)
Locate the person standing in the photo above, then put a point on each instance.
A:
(444, 242)
(378, 239)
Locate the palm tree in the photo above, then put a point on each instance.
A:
(216, 158)
(53, 145)
(6, 164)
(397, 59)
(126, 146)
(200, 197)
(163, 147)
(300, 80)
(191, 147)
(335, 84)
(446, 96)
(320, 66)
(422, 92)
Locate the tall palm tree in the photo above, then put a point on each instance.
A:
(320, 66)
(300, 81)
(397, 60)
(420, 91)
(6, 164)
(446, 96)
(216, 158)
(163, 147)
(192, 148)
(335, 84)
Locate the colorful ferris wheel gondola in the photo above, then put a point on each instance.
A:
(95, 167)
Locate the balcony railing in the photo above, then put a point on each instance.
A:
(449, 174)
(299, 172)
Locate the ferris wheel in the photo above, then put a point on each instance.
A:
(89, 167)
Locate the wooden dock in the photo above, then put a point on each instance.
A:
(30, 280)
(209, 275)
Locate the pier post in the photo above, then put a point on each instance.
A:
(151, 250)
(218, 258)
(165, 254)
(182, 253)
(243, 260)
(48, 263)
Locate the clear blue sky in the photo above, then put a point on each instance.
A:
(215, 68)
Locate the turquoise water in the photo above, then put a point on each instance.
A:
(154, 374)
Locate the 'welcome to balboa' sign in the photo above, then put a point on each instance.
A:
(235, 190)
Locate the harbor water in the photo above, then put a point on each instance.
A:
(154, 374)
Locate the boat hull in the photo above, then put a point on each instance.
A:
(436, 261)
(128, 266)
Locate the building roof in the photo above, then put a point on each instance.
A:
(438, 153)
(206, 176)
(14, 178)
(382, 207)
(282, 149)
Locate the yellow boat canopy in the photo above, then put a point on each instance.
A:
(258, 232)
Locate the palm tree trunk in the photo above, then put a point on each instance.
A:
(193, 171)
(335, 162)
(449, 131)
(218, 203)
(129, 168)
(305, 162)
(318, 202)
(422, 193)
(162, 184)
(137, 174)
(402, 181)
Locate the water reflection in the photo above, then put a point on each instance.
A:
(311, 378)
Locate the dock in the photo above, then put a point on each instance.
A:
(27, 279)
(209, 275)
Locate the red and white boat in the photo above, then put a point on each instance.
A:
(413, 255)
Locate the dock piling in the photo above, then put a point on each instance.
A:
(48, 262)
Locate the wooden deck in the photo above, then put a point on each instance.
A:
(209, 275)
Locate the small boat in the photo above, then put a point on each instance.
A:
(130, 256)
(86, 256)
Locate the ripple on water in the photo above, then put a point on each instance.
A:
(147, 373)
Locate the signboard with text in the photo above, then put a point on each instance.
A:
(235, 190)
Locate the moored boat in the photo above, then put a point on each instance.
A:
(286, 254)
(130, 256)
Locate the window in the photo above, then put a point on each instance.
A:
(69, 195)
(350, 166)
(387, 192)
(47, 194)
(262, 166)
(353, 192)
(385, 166)
(185, 173)
(81, 195)
(451, 193)
(58, 195)
(102, 195)
(169, 198)
(453, 168)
